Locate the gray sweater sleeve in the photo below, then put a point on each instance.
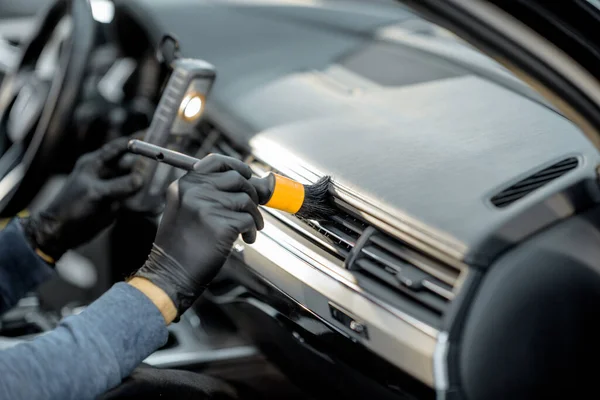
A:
(87, 354)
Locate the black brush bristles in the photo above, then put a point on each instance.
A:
(317, 204)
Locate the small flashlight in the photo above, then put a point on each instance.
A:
(177, 115)
(192, 107)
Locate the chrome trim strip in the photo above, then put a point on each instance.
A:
(173, 359)
(323, 265)
(440, 362)
(445, 293)
(312, 281)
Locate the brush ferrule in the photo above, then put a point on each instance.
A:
(288, 195)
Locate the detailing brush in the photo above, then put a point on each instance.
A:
(274, 191)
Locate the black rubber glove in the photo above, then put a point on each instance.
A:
(207, 209)
(88, 202)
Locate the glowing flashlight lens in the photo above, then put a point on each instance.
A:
(192, 108)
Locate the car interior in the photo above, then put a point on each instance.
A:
(462, 259)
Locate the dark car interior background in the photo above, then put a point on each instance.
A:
(464, 257)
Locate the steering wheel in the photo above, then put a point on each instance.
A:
(37, 101)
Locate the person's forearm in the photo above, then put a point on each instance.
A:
(88, 353)
(21, 269)
(157, 296)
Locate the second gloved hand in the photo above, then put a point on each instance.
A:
(87, 203)
(207, 209)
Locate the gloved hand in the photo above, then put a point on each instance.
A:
(206, 211)
(87, 203)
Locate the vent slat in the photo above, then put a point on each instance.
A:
(351, 223)
(440, 290)
(528, 185)
(402, 267)
(337, 232)
(425, 297)
(569, 161)
(535, 181)
(441, 272)
(512, 196)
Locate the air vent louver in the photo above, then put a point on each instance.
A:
(342, 231)
(382, 263)
(533, 182)
(405, 272)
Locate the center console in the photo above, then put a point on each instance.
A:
(25, 322)
(197, 341)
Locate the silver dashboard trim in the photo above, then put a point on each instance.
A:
(323, 265)
(440, 362)
(174, 359)
(302, 273)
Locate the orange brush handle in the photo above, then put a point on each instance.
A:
(282, 193)
(288, 195)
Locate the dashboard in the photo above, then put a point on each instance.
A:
(463, 199)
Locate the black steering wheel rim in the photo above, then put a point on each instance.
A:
(25, 170)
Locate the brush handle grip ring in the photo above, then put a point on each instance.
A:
(288, 195)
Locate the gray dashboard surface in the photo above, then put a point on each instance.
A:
(434, 147)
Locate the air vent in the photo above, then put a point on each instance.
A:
(405, 271)
(383, 265)
(386, 266)
(534, 182)
(341, 232)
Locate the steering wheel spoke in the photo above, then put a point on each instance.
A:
(8, 92)
(11, 169)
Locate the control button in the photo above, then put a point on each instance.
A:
(357, 327)
(348, 321)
